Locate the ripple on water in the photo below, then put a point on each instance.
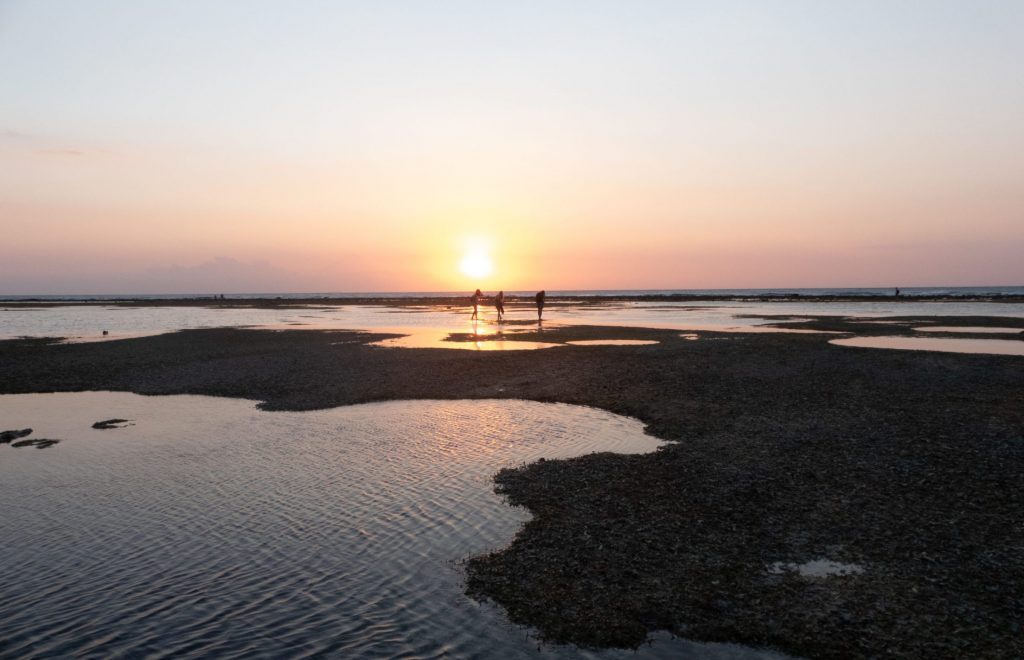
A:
(213, 528)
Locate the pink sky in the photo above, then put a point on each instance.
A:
(179, 147)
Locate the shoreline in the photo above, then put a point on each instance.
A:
(787, 449)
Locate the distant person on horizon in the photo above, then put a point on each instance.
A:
(476, 303)
(499, 304)
(897, 292)
(540, 305)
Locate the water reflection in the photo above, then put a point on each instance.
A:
(480, 337)
(612, 342)
(87, 322)
(941, 344)
(211, 528)
(971, 329)
(816, 568)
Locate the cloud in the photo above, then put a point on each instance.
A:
(46, 146)
(60, 152)
(15, 136)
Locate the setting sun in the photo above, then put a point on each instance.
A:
(476, 264)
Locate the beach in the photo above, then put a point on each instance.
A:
(820, 500)
(532, 331)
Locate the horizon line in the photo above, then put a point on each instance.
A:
(459, 292)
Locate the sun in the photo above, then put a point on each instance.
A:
(476, 264)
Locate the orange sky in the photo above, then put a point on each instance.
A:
(178, 147)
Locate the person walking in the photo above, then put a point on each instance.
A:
(540, 305)
(499, 304)
(476, 303)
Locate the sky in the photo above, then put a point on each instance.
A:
(183, 146)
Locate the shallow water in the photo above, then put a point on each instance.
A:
(986, 330)
(87, 322)
(488, 338)
(940, 344)
(743, 316)
(612, 342)
(210, 528)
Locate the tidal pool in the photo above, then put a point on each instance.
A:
(612, 342)
(941, 344)
(211, 528)
(973, 329)
(816, 568)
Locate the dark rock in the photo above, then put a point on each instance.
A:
(38, 443)
(112, 424)
(7, 436)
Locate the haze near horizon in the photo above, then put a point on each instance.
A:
(170, 147)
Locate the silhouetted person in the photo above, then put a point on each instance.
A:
(540, 304)
(476, 303)
(499, 304)
(897, 292)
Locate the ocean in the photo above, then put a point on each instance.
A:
(929, 291)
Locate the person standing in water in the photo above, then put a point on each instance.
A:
(540, 305)
(476, 303)
(499, 304)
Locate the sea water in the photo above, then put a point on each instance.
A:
(432, 323)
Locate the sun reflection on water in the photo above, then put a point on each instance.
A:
(472, 336)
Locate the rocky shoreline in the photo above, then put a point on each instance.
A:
(788, 450)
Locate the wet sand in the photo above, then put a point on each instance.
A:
(790, 450)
